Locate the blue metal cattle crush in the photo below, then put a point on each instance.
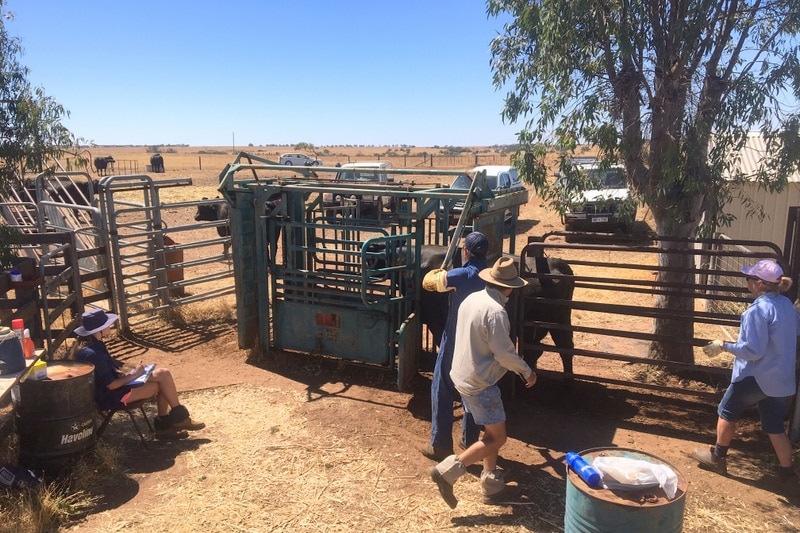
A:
(325, 279)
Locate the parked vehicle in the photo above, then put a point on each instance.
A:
(498, 178)
(607, 205)
(367, 205)
(299, 160)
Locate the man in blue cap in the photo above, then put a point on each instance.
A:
(462, 281)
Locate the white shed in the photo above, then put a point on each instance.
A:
(776, 206)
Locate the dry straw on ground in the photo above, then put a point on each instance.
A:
(263, 464)
(259, 467)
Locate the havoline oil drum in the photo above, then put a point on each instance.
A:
(54, 417)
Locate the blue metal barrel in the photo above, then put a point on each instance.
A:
(604, 511)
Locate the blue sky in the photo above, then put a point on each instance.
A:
(211, 73)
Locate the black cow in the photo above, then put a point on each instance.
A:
(212, 212)
(434, 305)
(157, 163)
(558, 315)
(69, 192)
(101, 164)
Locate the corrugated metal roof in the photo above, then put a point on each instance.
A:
(752, 154)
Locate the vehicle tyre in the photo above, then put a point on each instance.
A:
(288, 163)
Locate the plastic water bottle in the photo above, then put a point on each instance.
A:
(587, 472)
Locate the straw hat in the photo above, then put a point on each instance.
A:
(94, 321)
(503, 273)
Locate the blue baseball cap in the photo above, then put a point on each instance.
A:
(477, 244)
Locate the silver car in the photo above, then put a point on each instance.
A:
(299, 160)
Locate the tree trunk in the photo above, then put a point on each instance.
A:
(674, 268)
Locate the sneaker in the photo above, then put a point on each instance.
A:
(445, 488)
(712, 462)
(171, 434)
(189, 424)
(437, 454)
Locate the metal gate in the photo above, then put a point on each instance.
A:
(326, 279)
(151, 270)
(622, 282)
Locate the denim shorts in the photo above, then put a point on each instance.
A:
(746, 393)
(486, 407)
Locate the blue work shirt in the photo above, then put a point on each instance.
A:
(105, 371)
(767, 345)
(465, 280)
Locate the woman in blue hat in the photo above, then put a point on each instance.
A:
(763, 368)
(112, 387)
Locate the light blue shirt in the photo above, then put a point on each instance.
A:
(767, 345)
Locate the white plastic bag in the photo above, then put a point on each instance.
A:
(623, 473)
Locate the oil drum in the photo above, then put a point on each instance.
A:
(54, 416)
(601, 510)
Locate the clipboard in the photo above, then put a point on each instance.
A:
(141, 380)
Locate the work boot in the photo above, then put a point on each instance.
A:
(160, 423)
(711, 461)
(171, 433)
(445, 475)
(437, 454)
(492, 483)
(180, 419)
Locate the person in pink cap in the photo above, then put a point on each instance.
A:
(763, 368)
(113, 386)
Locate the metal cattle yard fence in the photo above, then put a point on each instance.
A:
(107, 243)
(613, 307)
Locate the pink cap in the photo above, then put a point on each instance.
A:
(765, 269)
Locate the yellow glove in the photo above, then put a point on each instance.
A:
(713, 348)
(435, 280)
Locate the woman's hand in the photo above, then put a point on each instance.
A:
(137, 371)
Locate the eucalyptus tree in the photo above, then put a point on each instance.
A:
(668, 88)
(32, 135)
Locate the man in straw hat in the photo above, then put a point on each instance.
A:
(461, 282)
(483, 353)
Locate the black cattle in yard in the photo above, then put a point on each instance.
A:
(101, 164)
(213, 212)
(434, 305)
(553, 313)
(72, 192)
(157, 163)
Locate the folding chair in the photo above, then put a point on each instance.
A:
(129, 409)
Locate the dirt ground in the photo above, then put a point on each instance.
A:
(297, 443)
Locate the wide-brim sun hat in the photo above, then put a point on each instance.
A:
(766, 270)
(503, 273)
(94, 321)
